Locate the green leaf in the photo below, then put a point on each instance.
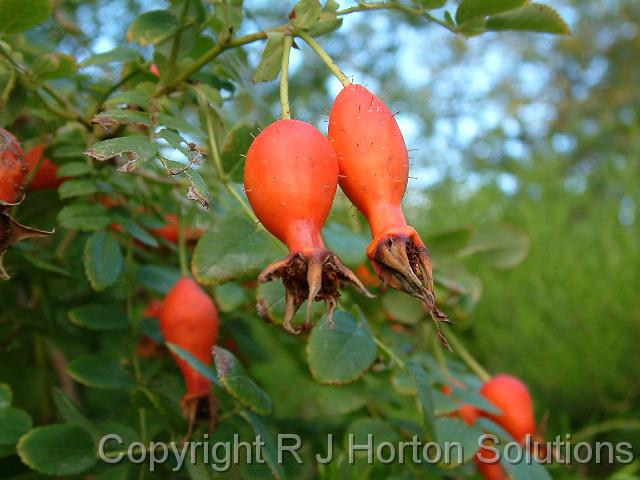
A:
(232, 249)
(237, 383)
(118, 54)
(524, 470)
(340, 353)
(403, 384)
(270, 446)
(6, 396)
(423, 389)
(77, 188)
(138, 149)
(350, 246)
(230, 296)
(472, 9)
(534, 17)
(67, 151)
(103, 260)
(84, 216)
(501, 246)
(229, 14)
(271, 305)
(17, 15)
(198, 189)
(179, 124)
(73, 169)
(110, 118)
(449, 430)
(130, 97)
(100, 371)
(136, 231)
(490, 426)
(341, 400)
(195, 363)
(379, 430)
(99, 317)
(448, 242)
(158, 278)
(152, 27)
(517, 470)
(57, 450)
(177, 142)
(429, 4)
(235, 147)
(209, 93)
(42, 264)
(452, 275)
(305, 13)
(402, 308)
(325, 23)
(474, 398)
(271, 60)
(13, 424)
(443, 404)
(54, 65)
(72, 414)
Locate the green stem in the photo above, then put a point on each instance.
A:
(208, 56)
(467, 358)
(64, 244)
(173, 57)
(103, 98)
(284, 77)
(217, 163)
(6, 93)
(437, 350)
(219, 48)
(64, 104)
(331, 65)
(142, 414)
(618, 424)
(182, 245)
(361, 7)
(57, 112)
(390, 352)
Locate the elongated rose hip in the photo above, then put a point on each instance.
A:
(512, 397)
(190, 320)
(13, 167)
(291, 177)
(13, 170)
(374, 169)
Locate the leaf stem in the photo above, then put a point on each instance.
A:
(209, 55)
(221, 47)
(6, 93)
(467, 358)
(182, 244)
(390, 352)
(217, 162)
(362, 7)
(173, 57)
(142, 414)
(617, 424)
(105, 96)
(331, 65)
(437, 350)
(284, 77)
